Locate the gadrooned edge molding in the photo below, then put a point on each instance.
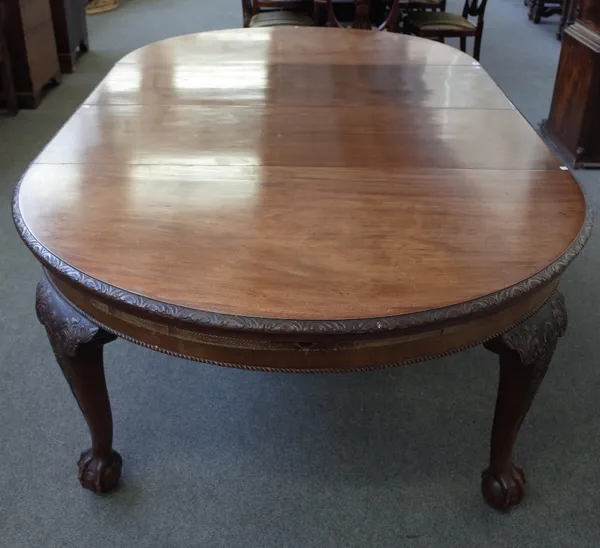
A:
(231, 322)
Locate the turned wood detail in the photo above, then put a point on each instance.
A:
(525, 354)
(77, 344)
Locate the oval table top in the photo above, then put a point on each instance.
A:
(302, 174)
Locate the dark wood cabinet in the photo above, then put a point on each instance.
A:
(32, 48)
(571, 11)
(70, 29)
(7, 88)
(573, 125)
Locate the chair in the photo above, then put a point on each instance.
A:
(440, 25)
(362, 16)
(6, 76)
(425, 5)
(543, 8)
(101, 6)
(275, 13)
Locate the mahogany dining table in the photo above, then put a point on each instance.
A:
(302, 200)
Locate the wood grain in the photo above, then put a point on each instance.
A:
(314, 243)
(283, 84)
(590, 14)
(379, 136)
(296, 46)
(365, 195)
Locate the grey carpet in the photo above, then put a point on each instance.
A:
(223, 458)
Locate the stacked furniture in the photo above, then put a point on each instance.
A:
(6, 78)
(424, 18)
(573, 125)
(70, 30)
(362, 16)
(543, 8)
(32, 48)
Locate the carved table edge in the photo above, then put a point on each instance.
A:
(329, 370)
(163, 310)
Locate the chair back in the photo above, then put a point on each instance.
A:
(250, 8)
(247, 11)
(362, 16)
(474, 8)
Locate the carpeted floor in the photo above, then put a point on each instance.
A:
(223, 458)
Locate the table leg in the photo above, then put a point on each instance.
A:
(525, 353)
(77, 344)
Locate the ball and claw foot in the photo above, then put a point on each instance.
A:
(99, 475)
(504, 490)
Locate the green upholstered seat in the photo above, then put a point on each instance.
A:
(438, 21)
(280, 18)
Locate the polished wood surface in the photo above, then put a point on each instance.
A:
(319, 244)
(590, 14)
(573, 124)
(300, 209)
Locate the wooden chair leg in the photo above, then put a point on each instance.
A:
(477, 45)
(463, 43)
(538, 11)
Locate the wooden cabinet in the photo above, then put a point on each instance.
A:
(7, 87)
(571, 11)
(70, 29)
(574, 121)
(32, 48)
